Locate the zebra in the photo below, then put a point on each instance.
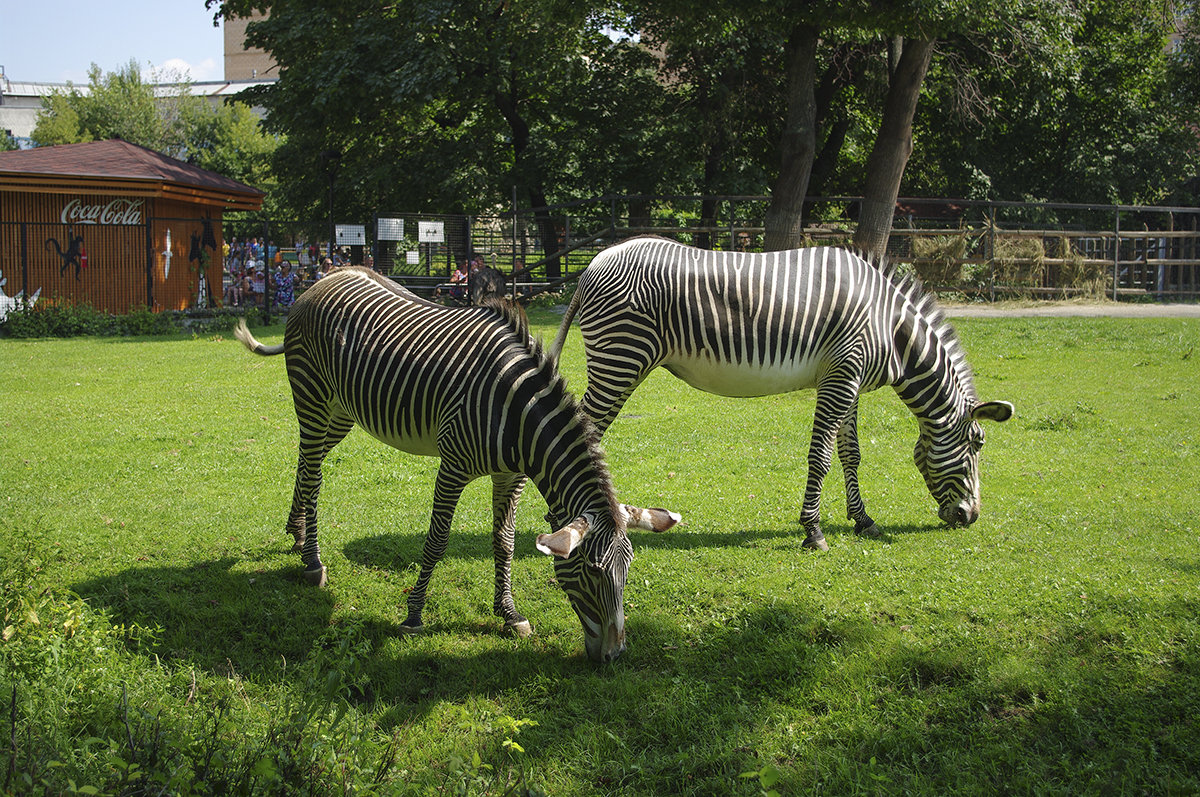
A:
(467, 385)
(746, 324)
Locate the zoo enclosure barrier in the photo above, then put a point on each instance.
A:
(979, 249)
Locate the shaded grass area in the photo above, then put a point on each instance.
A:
(1050, 648)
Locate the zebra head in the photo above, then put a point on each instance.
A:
(592, 555)
(948, 457)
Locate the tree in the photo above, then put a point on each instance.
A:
(122, 104)
(1090, 106)
(450, 105)
(228, 139)
(119, 104)
(893, 146)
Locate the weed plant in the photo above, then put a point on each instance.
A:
(158, 637)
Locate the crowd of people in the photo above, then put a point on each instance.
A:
(254, 266)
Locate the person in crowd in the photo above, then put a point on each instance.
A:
(248, 297)
(233, 291)
(260, 285)
(458, 281)
(285, 285)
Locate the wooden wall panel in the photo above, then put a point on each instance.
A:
(92, 249)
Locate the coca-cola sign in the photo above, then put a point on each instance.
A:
(117, 211)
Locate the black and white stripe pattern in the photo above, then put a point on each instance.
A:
(739, 324)
(469, 386)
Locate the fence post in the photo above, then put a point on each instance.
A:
(732, 222)
(991, 252)
(149, 263)
(268, 265)
(1116, 250)
(25, 262)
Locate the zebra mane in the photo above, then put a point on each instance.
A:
(909, 285)
(514, 316)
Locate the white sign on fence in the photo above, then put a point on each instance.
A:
(431, 232)
(413, 258)
(351, 235)
(389, 229)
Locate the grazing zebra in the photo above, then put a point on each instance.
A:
(469, 386)
(739, 324)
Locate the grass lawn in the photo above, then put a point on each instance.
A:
(1051, 648)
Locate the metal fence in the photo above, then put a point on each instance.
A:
(979, 249)
(984, 250)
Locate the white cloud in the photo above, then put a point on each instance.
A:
(208, 69)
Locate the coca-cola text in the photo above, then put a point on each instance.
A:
(118, 211)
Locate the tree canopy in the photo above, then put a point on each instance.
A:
(226, 139)
(462, 106)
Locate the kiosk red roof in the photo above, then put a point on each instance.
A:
(119, 166)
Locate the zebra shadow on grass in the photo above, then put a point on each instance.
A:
(218, 615)
(400, 550)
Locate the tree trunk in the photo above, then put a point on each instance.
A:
(785, 216)
(708, 207)
(893, 145)
(529, 176)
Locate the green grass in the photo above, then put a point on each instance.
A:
(1053, 647)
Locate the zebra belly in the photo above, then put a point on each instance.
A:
(421, 446)
(744, 379)
(422, 442)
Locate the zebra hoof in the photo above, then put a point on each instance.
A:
(521, 630)
(407, 629)
(816, 543)
(316, 576)
(868, 531)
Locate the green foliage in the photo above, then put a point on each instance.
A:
(50, 320)
(225, 139)
(119, 104)
(1084, 103)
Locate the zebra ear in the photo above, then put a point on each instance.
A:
(563, 541)
(652, 519)
(993, 411)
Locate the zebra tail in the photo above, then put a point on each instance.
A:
(242, 333)
(560, 339)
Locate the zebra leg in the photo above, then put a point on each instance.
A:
(848, 453)
(315, 445)
(836, 396)
(447, 489)
(506, 491)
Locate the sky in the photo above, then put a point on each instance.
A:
(55, 41)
